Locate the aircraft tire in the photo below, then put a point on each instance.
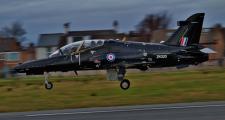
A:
(125, 84)
(49, 85)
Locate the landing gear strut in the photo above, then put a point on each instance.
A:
(124, 84)
(48, 85)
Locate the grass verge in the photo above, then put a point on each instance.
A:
(28, 94)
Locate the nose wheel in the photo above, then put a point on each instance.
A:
(49, 85)
(125, 84)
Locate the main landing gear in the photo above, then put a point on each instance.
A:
(48, 85)
(124, 84)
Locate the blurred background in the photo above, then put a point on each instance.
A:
(32, 29)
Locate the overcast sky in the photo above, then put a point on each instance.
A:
(47, 16)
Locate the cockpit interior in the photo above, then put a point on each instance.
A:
(77, 47)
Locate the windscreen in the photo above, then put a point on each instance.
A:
(77, 46)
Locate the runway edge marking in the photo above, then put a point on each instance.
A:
(124, 110)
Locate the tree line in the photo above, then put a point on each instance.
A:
(145, 27)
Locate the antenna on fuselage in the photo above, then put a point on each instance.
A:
(124, 39)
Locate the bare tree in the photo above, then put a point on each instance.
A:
(15, 30)
(152, 22)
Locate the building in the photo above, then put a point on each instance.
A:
(9, 52)
(47, 43)
(12, 53)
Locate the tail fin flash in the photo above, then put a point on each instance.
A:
(189, 31)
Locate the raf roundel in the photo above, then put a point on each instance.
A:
(110, 57)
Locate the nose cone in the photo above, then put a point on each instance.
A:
(31, 67)
(19, 68)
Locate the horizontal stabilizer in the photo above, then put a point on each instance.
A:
(207, 50)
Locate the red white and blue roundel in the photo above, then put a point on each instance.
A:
(110, 57)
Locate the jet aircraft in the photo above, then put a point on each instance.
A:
(115, 56)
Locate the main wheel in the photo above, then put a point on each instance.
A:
(48, 86)
(125, 84)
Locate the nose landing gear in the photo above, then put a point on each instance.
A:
(48, 85)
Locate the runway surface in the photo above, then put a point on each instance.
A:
(182, 111)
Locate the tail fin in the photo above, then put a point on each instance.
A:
(189, 31)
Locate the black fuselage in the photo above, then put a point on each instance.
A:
(114, 53)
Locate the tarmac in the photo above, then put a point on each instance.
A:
(180, 111)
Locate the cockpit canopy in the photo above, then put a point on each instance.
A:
(77, 47)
